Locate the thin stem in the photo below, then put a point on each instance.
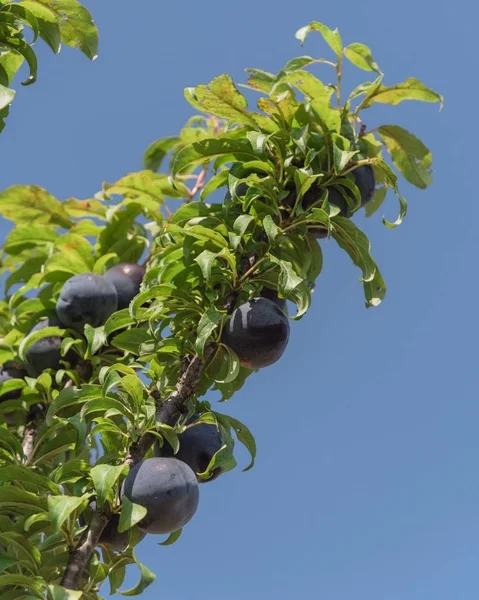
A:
(28, 442)
(250, 270)
(339, 70)
(200, 182)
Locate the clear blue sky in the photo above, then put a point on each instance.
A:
(366, 484)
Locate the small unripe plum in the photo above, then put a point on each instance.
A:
(274, 297)
(127, 278)
(11, 370)
(258, 331)
(167, 488)
(86, 298)
(45, 353)
(198, 445)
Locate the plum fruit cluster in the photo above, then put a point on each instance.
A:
(85, 298)
(167, 484)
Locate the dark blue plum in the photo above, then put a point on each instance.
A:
(365, 181)
(258, 331)
(127, 278)
(86, 298)
(11, 370)
(198, 445)
(167, 488)
(273, 296)
(45, 353)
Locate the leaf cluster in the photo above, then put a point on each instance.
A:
(22, 23)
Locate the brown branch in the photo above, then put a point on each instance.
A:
(200, 182)
(28, 441)
(79, 557)
(168, 407)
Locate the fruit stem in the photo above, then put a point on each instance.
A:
(339, 70)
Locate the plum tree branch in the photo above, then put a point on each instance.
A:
(28, 441)
(168, 407)
(80, 555)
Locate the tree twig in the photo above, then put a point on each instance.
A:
(28, 441)
(200, 182)
(79, 557)
(167, 408)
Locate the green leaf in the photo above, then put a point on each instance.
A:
(208, 323)
(411, 89)
(131, 340)
(288, 278)
(17, 473)
(6, 96)
(38, 335)
(408, 153)
(104, 478)
(244, 436)
(71, 396)
(170, 435)
(84, 208)
(205, 260)
(61, 507)
(205, 151)
(360, 55)
(10, 62)
(118, 320)
(6, 562)
(144, 186)
(23, 547)
(20, 46)
(61, 593)
(76, 25)
(221, 98)
(376, 202)
(332, 38)
(116, 577)
(31, 583)
(365, 88)
(23, 237)
(146, 579)
(306, 83)
(204, 233)
(134, 388)
(32, 204)
(49, 28)
(225, 365)
(357, 245)
(12, 497)
(172, 538)
(96, 338)
(260, 80)
(130, 515)
(213, 184)
(156, 152)
(242, 223)
(22, 13)
(271, 229)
